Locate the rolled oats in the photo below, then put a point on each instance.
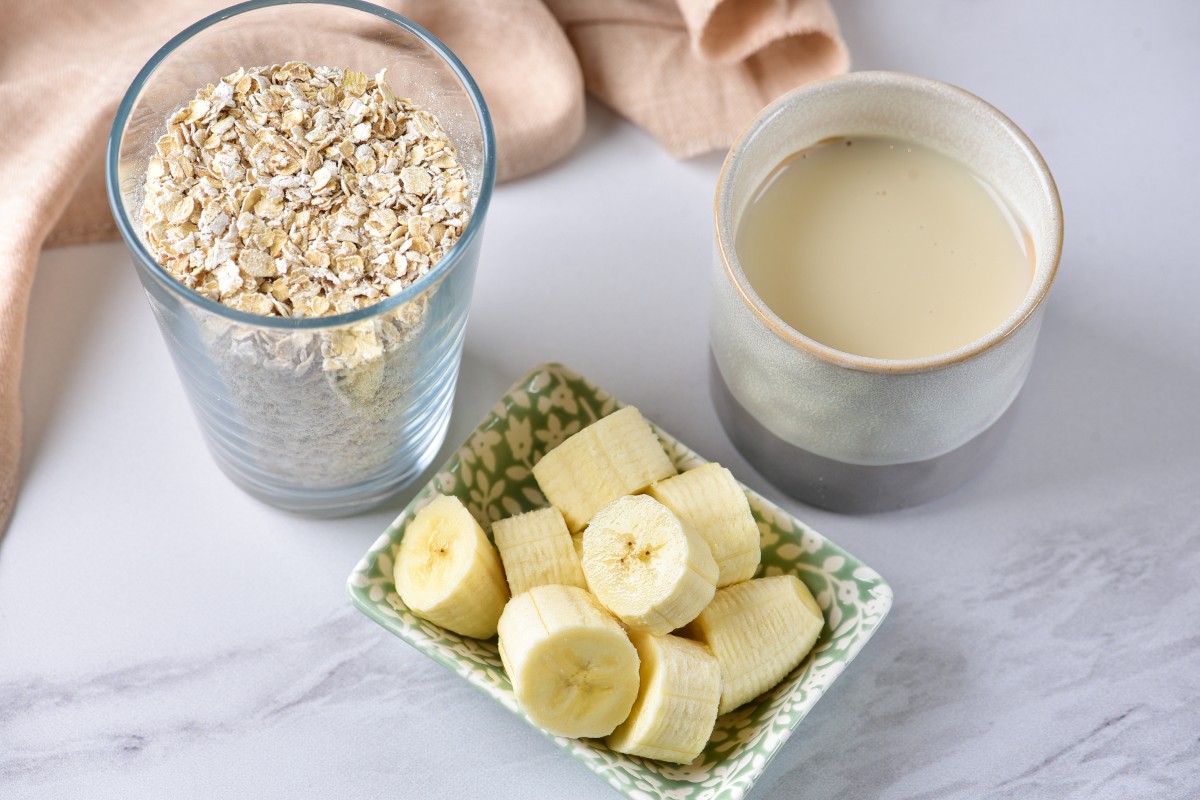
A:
(317, 174)
(301, 191)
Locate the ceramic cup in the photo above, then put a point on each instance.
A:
(843, 431)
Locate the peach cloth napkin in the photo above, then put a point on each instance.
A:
(690, 72)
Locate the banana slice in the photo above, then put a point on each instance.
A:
(448, 572)
(676, 708)
(646, 566)
(614, 456)
(709, 499)
(572, 667)
(536, 549)
(759, 630)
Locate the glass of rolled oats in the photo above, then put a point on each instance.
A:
(302, 187)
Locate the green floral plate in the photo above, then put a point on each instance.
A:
(491, 474)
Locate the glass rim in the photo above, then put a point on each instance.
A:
(457, 252)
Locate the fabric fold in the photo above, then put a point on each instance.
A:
(729, 31)
(675, 71)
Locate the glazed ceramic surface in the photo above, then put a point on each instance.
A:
(867, 411)
(491, 474)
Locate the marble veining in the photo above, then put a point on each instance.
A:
(117, 716)
(1051, 664)
(1080, 630)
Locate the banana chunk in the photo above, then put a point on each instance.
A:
(614, 456)
(448, 572)
(572, 667)
(676, 708)
(759, 630)
(709, 499)
(646, 566)
(537, 550)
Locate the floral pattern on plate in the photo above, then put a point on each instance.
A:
(491, 473)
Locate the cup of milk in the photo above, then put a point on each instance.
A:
(884, 247)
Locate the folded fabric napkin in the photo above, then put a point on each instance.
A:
(690, 72)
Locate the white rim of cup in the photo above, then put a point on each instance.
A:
(733, 268)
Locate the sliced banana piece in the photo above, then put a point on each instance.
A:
(710, 500)
(676, 707)
(448, 572)
(614, 456)
(536, 550)
(572, 667)
(759, 630)
(646, 566)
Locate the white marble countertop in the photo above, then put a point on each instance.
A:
(163, 635)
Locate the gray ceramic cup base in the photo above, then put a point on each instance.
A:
(850, 488)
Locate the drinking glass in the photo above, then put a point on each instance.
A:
(286, 415)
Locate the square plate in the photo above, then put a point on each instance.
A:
(491, 474)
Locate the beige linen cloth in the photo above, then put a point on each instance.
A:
(690, 72)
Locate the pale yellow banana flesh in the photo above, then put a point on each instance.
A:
(572, 667)
(646, 566)
(710, 501)
(676, 708)
(614, 456)
(536, 549)
(448, 572)
(759, 630)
